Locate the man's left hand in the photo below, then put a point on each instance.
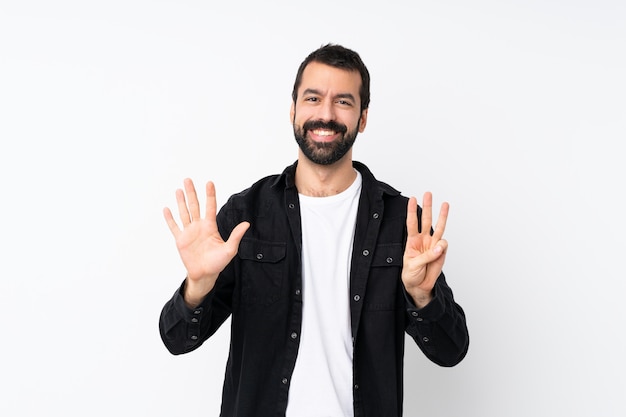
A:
(424, 253)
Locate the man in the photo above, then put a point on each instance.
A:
(323, 271)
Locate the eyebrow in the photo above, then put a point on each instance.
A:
(318, 93)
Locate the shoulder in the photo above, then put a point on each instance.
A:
(259, 190)
(262, 194)
(375, 186)
(268, 185)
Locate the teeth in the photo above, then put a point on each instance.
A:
(324, 132)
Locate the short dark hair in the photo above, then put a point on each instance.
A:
(339, 57)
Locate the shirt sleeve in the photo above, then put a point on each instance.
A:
(439, 328)
(184, 329)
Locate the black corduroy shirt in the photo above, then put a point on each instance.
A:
(261, 290)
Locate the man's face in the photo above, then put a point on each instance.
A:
(327, 113)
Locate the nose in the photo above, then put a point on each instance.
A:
(327, 111)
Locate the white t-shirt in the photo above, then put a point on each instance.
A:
(321, 384)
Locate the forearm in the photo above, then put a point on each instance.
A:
(420, 298)
(439, 328)
(184, 329)
(194, 292)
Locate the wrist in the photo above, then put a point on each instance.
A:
(195, 291)
(420, 298)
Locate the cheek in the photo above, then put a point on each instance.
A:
(299, 116)
(355, 124)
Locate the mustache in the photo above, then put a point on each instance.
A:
(320, 124)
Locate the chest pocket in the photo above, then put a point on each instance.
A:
(263, 271)
(384, 281)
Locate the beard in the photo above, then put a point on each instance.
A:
(325, 153)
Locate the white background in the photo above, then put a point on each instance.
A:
(513, 111)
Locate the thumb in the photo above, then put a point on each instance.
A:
(237, 234)
(439, 249)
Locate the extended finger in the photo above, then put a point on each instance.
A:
(192, 199)
(441, 221)
(427, 212)
(183, 211)
(211, 201)
(171, 223)
(411, 217)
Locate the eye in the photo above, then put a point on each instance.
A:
(344, 102)
(311, 99)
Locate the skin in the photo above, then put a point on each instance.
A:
(203, 251)
(326, 94)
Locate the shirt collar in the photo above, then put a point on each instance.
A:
(288, 179)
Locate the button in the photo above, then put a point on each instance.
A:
(356, 386)
(366, 252)
(294, 335)
(291, 205)
(197, 312)
(419, 319)
(389, 260)
(284, 381)
(297, 292)
(414, 313)
(357, 297)
(259, 256)
(194, 320)
(375, 215)
(194, 337)
(425, 339)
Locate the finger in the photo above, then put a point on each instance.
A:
(438, 258)
(432, 255)
(236, 235)
(427, 213)
(411, 217)
(192, 199)
(183, 212)
(171, 223)
(211, 201)
(441, 221)
(440, 249)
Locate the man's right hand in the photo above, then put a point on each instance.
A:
(200, 245)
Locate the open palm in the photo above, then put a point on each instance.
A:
(424, 253)
(202, 250)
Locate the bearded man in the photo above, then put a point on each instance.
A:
(322, 269)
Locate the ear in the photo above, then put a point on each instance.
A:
(292, 113)
(363, 121)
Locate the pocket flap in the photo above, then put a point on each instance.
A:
(388, 254)
(261, 251)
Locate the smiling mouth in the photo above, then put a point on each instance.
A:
(323, 135)
(324, 132)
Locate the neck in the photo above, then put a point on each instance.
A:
(324, 180)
